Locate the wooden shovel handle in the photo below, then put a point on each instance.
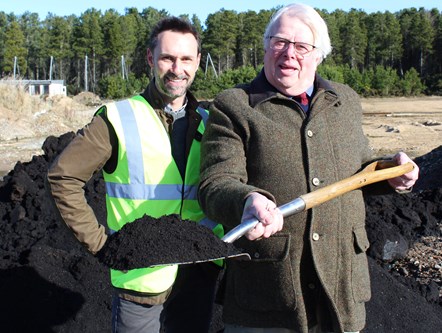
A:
(372, 173)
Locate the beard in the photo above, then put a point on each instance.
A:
(173, 85)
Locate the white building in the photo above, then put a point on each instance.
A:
(40, 87)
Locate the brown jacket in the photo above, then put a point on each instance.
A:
(259, 140)
(95, 147)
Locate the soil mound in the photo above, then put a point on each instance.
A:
(166, 240)
(52, 284)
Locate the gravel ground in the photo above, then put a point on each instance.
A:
(423, 263)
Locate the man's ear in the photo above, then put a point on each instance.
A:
(198, 60)
(150, 58)
(318, 59)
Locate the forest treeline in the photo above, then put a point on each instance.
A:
(378, 54)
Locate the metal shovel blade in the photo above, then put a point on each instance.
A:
(167, 240)
(240, 256)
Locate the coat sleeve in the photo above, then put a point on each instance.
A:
(67, 176)
(224, 180)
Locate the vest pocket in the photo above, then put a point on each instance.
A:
(359, 267)
(271, 264)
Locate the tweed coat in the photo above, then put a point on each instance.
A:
(257, 139)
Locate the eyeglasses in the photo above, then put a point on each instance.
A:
(281, 44)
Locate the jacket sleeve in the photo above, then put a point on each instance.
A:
(84, 156)
(224, 179)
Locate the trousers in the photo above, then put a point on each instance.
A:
(187, 309)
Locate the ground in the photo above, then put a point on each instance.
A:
(53, 285)
(413, 125)
(25, 121)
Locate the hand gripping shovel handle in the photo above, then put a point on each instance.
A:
(372, 173)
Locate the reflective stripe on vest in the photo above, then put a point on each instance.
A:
(152, 192)
(204, 115)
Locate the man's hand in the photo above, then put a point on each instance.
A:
(265, 210)
(105, 254)
(406, 181)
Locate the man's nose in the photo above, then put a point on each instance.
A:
(291, 52)
(177, 67)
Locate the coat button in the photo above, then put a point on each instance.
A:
(316, 181)
(256, 255)
(315, 236)
(309, 133)
(311, 286)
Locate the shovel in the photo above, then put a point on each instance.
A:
(196, 243)
(372, 173)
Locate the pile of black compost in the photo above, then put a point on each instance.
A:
(150, 241)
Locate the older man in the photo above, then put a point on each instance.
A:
(287, 133)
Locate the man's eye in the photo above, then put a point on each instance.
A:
(280, 43)
(167, 59)
(302, 47)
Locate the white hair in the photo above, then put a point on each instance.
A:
(311, 18)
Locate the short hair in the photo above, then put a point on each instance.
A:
(176, 24)
(310, 17)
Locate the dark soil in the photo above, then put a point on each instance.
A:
(168, 239)
(50, 283)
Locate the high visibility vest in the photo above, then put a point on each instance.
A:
(147, 181)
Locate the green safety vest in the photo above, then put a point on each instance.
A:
(147, 181)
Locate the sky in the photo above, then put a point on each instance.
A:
(203, 8)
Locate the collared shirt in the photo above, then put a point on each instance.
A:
(309, 91)
(180, 124)
(180, 113)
